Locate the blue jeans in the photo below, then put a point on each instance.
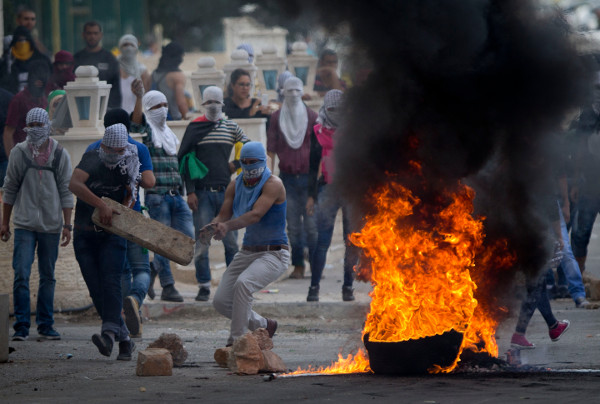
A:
(300, 226)
(588, 209)
(209, 205)
(570, 267)
(101, 257)
(174, 212)
(137, 265)
(536, 298)
(23, 256)
(326, 211)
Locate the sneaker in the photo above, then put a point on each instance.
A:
(21, 334)
(203, 294)
(560, 328)
(104, 343)
(520, 342)
(126, 348)
(347, 293)
(153, 274)
(131, 309)
(170, 294)
(271, 327)
(582, 303)
(49, 333)
(313, 294)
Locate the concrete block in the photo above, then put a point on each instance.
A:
(148, 233)
(223, 356)
(262, 337)
(4, 327)
(174, 345)
(247, 356)
(272, 363)
(154, 362)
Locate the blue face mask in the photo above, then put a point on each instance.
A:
(252, 172)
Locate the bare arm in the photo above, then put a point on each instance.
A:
(66, 233)
(271, 162)
(7, 138)
(179, 90)
(137, 88)
(5, 229)
(148, 179)
(81, 191)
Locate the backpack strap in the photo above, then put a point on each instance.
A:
(29, 163)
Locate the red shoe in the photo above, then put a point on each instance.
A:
(520, 342)
(559, 330)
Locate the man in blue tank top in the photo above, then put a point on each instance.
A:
(255, 200)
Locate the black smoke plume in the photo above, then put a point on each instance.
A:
(471, 89)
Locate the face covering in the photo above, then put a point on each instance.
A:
(213, 111)
(158, 116)
(252, 173)
(110, 159)
(22, 50)
(37, 135)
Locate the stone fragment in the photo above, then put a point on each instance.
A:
(248, 358)
(148, 233)
(154, 362)
(272, 363)
(174, 345)
(264, 341)
(222, 356)
(592, 287)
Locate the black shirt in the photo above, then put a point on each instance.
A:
(102, 181)
(108, 70)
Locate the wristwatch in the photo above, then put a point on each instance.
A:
(68, 227)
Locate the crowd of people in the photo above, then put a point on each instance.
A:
(288, 219)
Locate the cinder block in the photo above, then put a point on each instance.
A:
(4, 327)
(148, 233)
(154, 362)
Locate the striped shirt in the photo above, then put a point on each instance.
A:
(214, 151)
(165, 167)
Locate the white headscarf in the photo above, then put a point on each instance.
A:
(293, 120)
(127, 58)
(162, 135)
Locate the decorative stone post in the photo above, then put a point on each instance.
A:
(303, 65)
(239, 60)
(269, 66)
(205, 76)
(87, 98)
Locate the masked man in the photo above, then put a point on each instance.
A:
(289, 137)
(255, 200)
(210, 138)
(111, 171)
(39, 169)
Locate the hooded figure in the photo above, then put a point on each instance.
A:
(156, 117)
(62, 71)
(22, 53)
(293, 120)
(212, 101)
(249, 49)
(327, 123)
(248, 185)
(128, 46)
(38, 132)
(280, 82)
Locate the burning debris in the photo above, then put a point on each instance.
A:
(461, 93)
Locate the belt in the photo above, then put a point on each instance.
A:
(261, 248)
(173, 192)
(213, 189)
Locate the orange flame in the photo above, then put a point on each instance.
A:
(422, 257)
(358, 363)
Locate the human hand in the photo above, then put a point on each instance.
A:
(137, 88)
(106, 213)
(206, 233)
(5, 233)
(66, 237)
(221, 230)
(255, 107)
(192, 201)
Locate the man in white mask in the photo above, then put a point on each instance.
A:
(164, 200)
(210, 139)
(288, 137)
(131, 70)
(39, 169)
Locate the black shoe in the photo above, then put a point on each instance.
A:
(313, 294)
(153, 274)
(203, 294)
(347, 293)
(126, 348)
(132, 315)
(103, 343)
(170, 294)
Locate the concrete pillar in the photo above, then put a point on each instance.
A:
(3, 328)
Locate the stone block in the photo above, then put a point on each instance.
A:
(592, 287)
(174, 345)
(247, 356)
(4, 327)
(272, 363)
(154, 362)
(148, 233)
(223, 356)
(262, 337)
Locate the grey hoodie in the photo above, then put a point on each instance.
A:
(38, 203)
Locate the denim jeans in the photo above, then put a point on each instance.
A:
(101, 257)
(174, 212)
(301, 228)
(136, 273)
(209, 205)
(326, 211)
(23, 256)
(569, 266)
(588, 209)
(536, 298)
